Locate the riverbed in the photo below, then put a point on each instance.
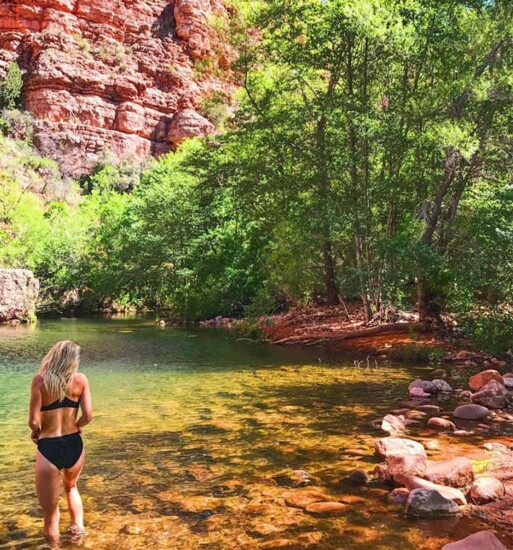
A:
(195, 436)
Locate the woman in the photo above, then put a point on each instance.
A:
(57, 392)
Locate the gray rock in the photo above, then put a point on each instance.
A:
(441, 386)
(18, 294)
(426, 503)
(471, 412)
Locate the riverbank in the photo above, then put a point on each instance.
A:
(401, 337)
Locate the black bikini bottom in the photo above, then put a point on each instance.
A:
(63, 451)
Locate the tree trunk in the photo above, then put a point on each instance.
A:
(332, 297)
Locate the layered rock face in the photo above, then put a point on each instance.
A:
(18, 293)
(106, 76)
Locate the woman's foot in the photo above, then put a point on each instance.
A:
(76, 531)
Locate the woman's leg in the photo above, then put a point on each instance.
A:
(48, 488)
(75, 508)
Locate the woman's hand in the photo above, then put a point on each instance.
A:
(35, 435)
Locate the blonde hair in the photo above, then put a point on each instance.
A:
(58, 367)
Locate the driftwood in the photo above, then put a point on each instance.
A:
(312, 339)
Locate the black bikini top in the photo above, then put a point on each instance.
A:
(66, 402)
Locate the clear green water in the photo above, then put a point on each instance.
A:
(194, 436)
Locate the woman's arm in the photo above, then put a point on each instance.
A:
(36, 400)
(85, 406)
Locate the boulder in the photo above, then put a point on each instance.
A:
(483, 540)
(398, 446)
(18, 294)
(450, 493)
(358, 478)
(426, 386)
(382, 475)
(441, 386)
(417, 392)
(508, 380)
(414, 465)
(426, 503)
(480, 379)
(441, 423)
(487, 489)
(393, 424)
(471, 412)
(455, 472)
(492, 395)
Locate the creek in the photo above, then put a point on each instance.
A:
(196, 434)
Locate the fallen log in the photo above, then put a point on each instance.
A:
(312, 339)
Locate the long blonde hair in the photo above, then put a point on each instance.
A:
(58, 367)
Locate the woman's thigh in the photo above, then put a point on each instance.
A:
(48, 482)
(71, 474)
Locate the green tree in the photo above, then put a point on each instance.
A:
(11, 87)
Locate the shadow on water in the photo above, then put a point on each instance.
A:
(196, 437)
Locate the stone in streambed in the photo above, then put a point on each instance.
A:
(450, 493)
(358, 478)
(433, 445)
(492, 395)
(430, 409)
(399, 496)
(416, 415)
(441, 386)
(460, 433)
(480, 379)
(330, 508)
(455, 472)
(487, 489)
(382, 475)
(471, 412)
(483, 540)
(427, 503)
(302, 498)
(417, 392)
(508, 380)
(414, 465)
(438, 373)
(398, 446)
(441, 423)
(393, 424)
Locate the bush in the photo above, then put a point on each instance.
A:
(491, 330)
(10, 90)
(18, 125)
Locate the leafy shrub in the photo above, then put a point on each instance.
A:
(11, 87)
(18, 125)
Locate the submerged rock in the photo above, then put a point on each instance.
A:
(441, 423)
(426, 503)
(331, 508)
(487, 489)
(399, 496)
(301, 498)
(483, 540)
(358, 478)
(455, 472)
(480, 379)
(471, 412)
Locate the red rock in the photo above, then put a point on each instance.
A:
(483, 540)
(508, 380)
(111, 76)
(441, 423)
(398, 446)
(301, 498)
(417, 392)
(487, 489)
(471, 412)
(414, 465)
(455, 472)
(412, 482)
(482, 378)
(393, 424)
(382, 474)
(331, 508)
(492, 395)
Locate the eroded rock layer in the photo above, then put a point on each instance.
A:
(105, 76)
(18, 294)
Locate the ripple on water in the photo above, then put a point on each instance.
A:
(194, 440)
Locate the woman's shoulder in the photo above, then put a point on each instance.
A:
(37, 381)
(80, 378)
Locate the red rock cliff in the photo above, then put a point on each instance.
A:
(105, 75)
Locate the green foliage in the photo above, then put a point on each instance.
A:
(11, 87)
(18, 125)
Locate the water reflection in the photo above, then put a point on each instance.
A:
(195, 437)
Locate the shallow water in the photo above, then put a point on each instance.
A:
(196, 433)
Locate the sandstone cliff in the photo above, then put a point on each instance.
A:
(18, 294)
(123, 77)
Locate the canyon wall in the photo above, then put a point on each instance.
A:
(124, 79)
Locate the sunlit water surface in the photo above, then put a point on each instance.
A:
(195, 435)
